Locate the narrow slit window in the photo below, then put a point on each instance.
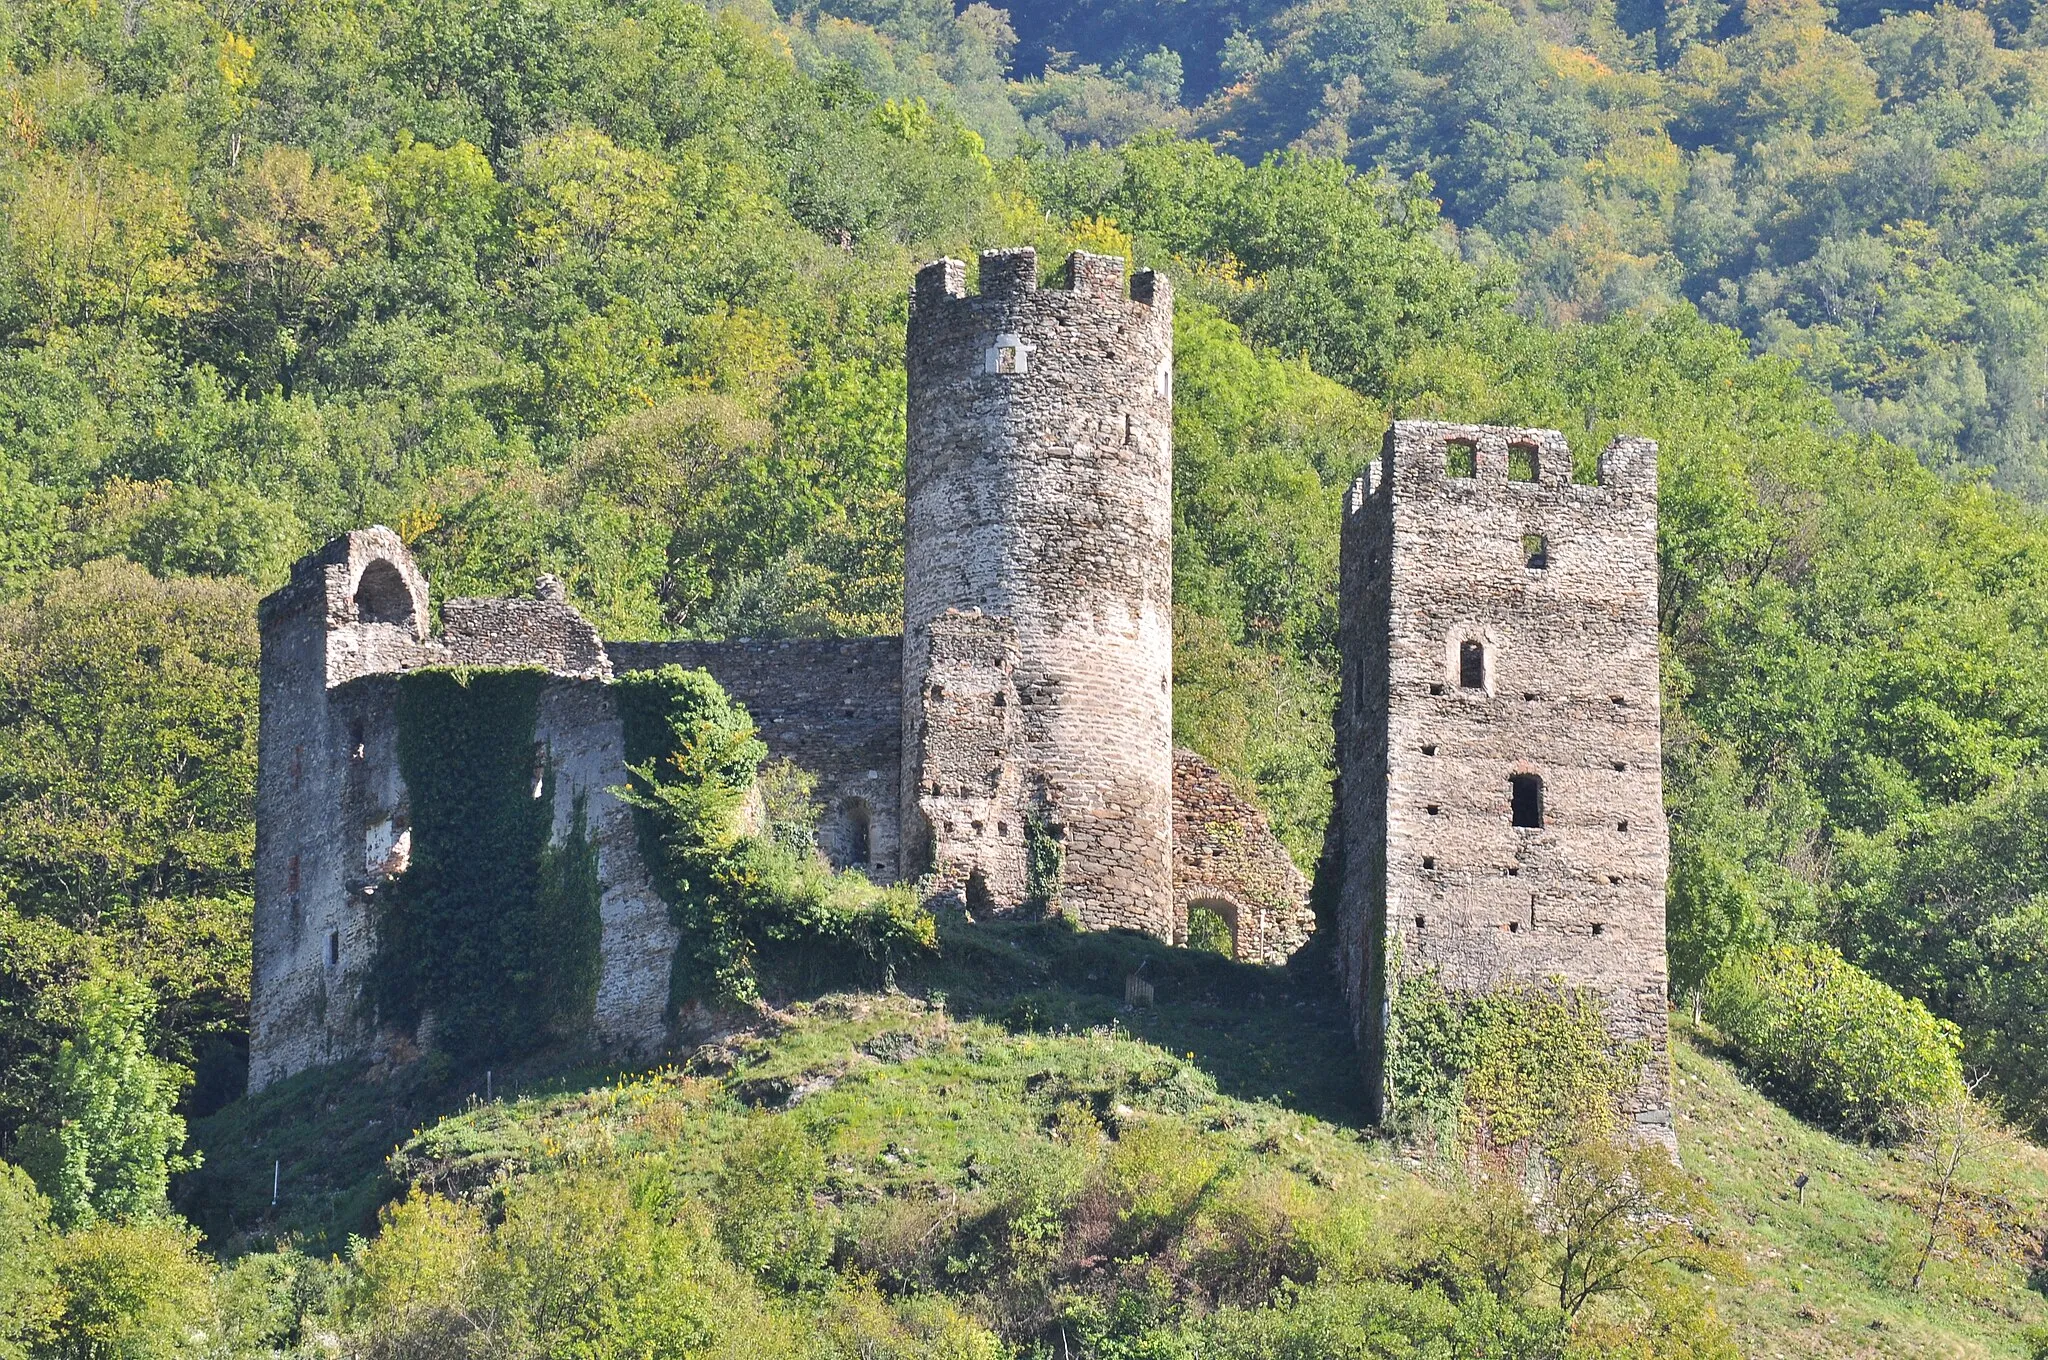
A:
(1461, 458)
(333, 948)
(1521, 462)
(1472, 665)
(1528, 799)
(1535, 552)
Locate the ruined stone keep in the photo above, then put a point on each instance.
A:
(1500, 816)
(1027, 703)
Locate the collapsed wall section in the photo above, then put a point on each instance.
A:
(832, 706)
(1227, 860)
(1499, 734)
(1040, 494)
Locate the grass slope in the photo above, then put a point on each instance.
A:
(917, 1095)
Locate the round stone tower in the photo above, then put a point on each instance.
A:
(1038, 584)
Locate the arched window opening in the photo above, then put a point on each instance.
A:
(1472, 665)
(1212, 926)
(1528, 799)
(979, 898)
(858, 834)
(382, 595)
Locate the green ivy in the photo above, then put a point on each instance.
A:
(1045, 865)
(743, 903)
(490, 928)
(1505, 1068)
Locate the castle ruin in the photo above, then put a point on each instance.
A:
(1501, 815)
(1499, 818)
(1029, 696)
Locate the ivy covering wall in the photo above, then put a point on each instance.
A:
(491, 930)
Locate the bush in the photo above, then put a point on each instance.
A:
(741, 900)
(1835, 1043)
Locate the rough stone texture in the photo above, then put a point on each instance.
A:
(1226, 858)
(1033, 680)
(514, 632)
(830, 705)
(330, 807)
(1040, 467)
(1437, 875)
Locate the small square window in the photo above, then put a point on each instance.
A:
(1620, 766)
(1436, 689)
(1521, 462)
(1434, 809)
(1461, 458)
(1598, 928)
(1621, 826)
(1429, 861)
(1514, 927)
(1421, 921)
(1430, 749)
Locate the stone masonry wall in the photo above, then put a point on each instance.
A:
(1039, 492)
(1226, 858)
(1496, 629)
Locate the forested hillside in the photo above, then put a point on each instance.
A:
(616, 289)
(1856, 187)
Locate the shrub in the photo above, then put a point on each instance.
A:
(137, 1291)
(741, 900)
(1835, 1043)
(107, 1146)
(767, 1220)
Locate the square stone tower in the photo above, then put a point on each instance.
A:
(1498, 736)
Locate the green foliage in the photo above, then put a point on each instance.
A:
(767, 1220)
(1515, 1068)
(1209, 931)
(1835, 1042)
(138, 1291)
(1045, 865)
(108, 1138)
(744, 903)
(492, 929)
(29, 1302)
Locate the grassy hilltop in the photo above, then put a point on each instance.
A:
(1006, 1148)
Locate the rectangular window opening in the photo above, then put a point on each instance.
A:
(1620, 766)
(1521, 462)
(333, 948)
(1436, 689)
(1528, 799)
(1598, 928)
(1461, 458)
(1430, 749)
(1434, 809)
(1429, 861)
(1535, 552)
(1421, 921)
(1471, 665)
(1621, 826)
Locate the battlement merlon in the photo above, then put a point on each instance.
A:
(1010, 277)
(1417, 457)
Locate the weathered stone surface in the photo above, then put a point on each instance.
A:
(1226, 858)
(1561, 687)
(1040, 494)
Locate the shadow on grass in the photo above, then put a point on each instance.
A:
(1261, 1033)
